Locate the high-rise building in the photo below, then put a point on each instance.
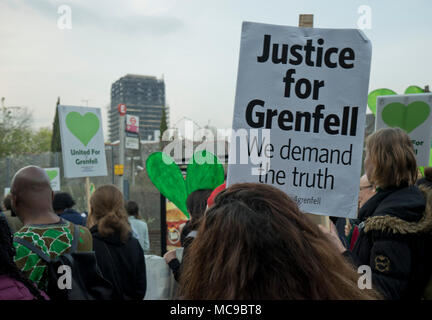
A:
(144, 96)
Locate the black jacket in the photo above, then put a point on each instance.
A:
(395, 241)
(123, 264)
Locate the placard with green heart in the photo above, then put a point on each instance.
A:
(52, 174)
(83, 127)
(407, 117)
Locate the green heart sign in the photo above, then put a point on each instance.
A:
(408, 117)
(204, 171)
(83, 127)
(51, 174)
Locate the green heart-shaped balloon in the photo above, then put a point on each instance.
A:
(413, 89)
(408, 117)
(204, 171)
(168, 179)
(83, 127)
(372, 97)
(51, 174)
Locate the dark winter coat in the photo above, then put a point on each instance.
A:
(122, 264)
(73, 216)
(395, 241)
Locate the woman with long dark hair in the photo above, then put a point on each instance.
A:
(119, 255)
(254, 243)
(13, 284)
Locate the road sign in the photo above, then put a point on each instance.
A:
(118, 169)
(121, 109)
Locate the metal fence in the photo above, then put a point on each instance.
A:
(140, 187)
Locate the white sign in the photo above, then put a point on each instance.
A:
(132, 143)
(299, 114)
(132, 123)
(411, 113)
(82, 141)
(54, 176)
(6, 191)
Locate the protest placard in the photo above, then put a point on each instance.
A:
(412, 113)
(82, 141)
(299, 114)
(54, 176)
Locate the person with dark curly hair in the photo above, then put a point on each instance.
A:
(13, 284)
(62, 205)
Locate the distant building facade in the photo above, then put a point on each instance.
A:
(144, 96)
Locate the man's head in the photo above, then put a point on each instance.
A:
(7, 202)
(31, 192)
(367, 190)
(132, 208)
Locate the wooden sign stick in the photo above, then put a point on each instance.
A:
(306, 21)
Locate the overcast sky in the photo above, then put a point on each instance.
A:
(194, 44)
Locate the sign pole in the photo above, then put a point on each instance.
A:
(122, 113)
(87, 179)
(306, 21)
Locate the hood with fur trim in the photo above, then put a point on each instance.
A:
(392, 223)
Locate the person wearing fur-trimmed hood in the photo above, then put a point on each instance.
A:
(396, 223)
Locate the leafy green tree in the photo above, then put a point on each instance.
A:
(163, 127)
(15, 131)
(42, 140)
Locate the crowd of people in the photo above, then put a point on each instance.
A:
(246, 241)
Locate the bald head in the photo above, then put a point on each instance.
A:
(31, 191)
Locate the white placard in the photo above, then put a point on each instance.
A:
(82, 140)
(54, 176)
(132, 143)
(308, 87)
(6, 191)
(412, 113)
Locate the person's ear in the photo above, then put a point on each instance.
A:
(14, 201)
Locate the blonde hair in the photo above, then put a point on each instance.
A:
(392, 155)
(108, 213)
